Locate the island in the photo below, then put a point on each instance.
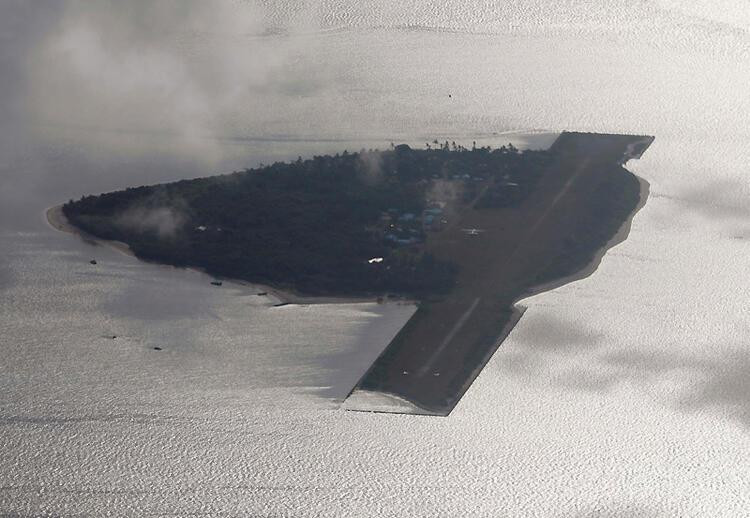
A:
(465, 232)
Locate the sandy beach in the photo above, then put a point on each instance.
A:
(57, 220)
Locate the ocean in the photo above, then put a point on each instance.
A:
(625, 393)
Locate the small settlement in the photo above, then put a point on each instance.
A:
(408, 228)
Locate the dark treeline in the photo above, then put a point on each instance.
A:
(311, 225)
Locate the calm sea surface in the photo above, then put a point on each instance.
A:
(627, 393)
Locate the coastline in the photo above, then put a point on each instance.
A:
(56, 219)
(389, 401)
(368, 401)
(405, 406)
(621, 235)
(477, 341)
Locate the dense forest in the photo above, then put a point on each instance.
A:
(349, 224)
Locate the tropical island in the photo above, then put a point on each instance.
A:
(350, 224)
(465, 231)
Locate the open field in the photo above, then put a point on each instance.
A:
(580, 203)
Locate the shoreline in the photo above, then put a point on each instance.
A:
(622, 234)
(517, 312)
(280, 297)
(56, 219)
(476, 342)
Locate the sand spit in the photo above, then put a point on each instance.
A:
(57, 220)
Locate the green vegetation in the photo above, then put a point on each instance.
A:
(315, 225)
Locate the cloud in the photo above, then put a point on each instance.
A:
(103, 94)
(370, 166)
(189, 69)
(165, 222)
(443, 191)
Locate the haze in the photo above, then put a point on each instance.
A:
(625, 393)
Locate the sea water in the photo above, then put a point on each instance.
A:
(622, 394)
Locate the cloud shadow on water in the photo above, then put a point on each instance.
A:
(722, 201)
(550, 333)
(152, 298)
(712, 383)
(725, 385)
(541, 337)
